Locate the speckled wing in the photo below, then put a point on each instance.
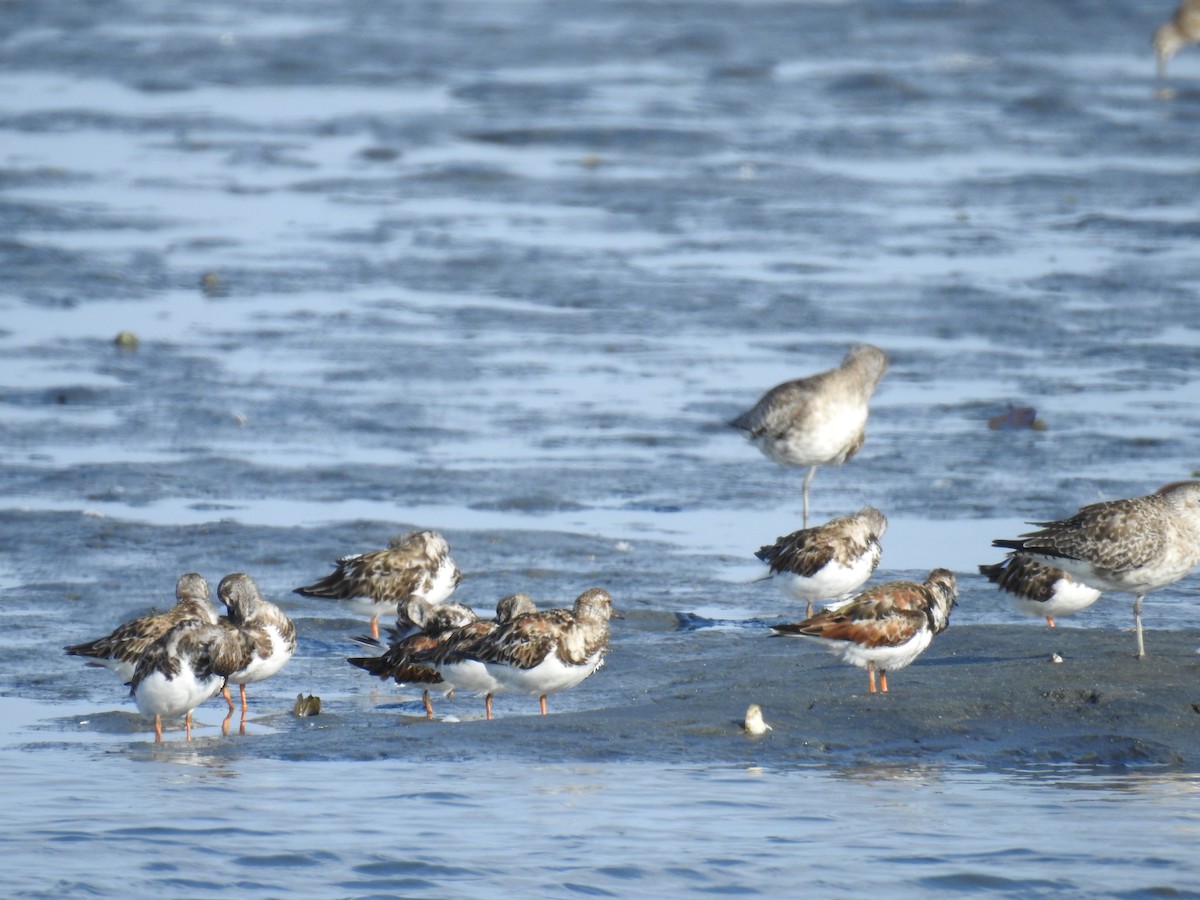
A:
(382, 575)
(1024, 576)
(212, 648)
(400, 663)
(798, 552)
(127, 642)
(779, 407)
(524, 642)
(1111, 536)
(459, 644)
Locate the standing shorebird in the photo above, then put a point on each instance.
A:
(454, 657)
(827, 561)
(1038, 589)
(183, 668)
(442, 653)
(399, 661)
(1173, 35)
(820, 420)
(414, 564)
(885, 627)
(1135, 545)
(124, 646)
(544, 652)
(267, 633)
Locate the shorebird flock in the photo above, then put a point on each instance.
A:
(175, 660)
(1133, 545)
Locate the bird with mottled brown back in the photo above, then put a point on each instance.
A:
(1134, 545)
(121, 649)
(416, 564)
(828, 561)
(885, 627)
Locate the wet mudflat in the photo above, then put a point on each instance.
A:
(506, 270)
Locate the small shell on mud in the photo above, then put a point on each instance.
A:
(306, 706)
(754, 723)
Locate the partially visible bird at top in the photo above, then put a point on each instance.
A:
(1173, 35)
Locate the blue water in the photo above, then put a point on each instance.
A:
(505, 270)
(178, 820)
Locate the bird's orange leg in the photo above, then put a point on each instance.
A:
(487, 704)
(428, 705)
(1050, 621)
(158, 729)
(543, 701)
(871, 675)
(883, 680)
(375, 627)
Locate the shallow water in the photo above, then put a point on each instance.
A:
(505, 270)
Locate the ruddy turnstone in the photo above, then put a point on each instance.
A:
(1135, 545)
(1173, 35)
(398, 662)
(820, 420)
(827, 561)
(454, 654)
(885, 627)
(1038, 589)
(121, 650)
(183, 668)
(414, 564)
(267, 633)
(541, 653)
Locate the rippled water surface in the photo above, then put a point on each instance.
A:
(505, 269)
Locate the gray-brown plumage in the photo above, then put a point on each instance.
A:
(820, 420)
(1135, 545)
(1173, 35)
(124, 646)
(827, 561)
(264, 629)
(552, 650)
(416, 564)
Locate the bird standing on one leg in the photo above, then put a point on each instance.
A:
(820, 420)
(1173, 35)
